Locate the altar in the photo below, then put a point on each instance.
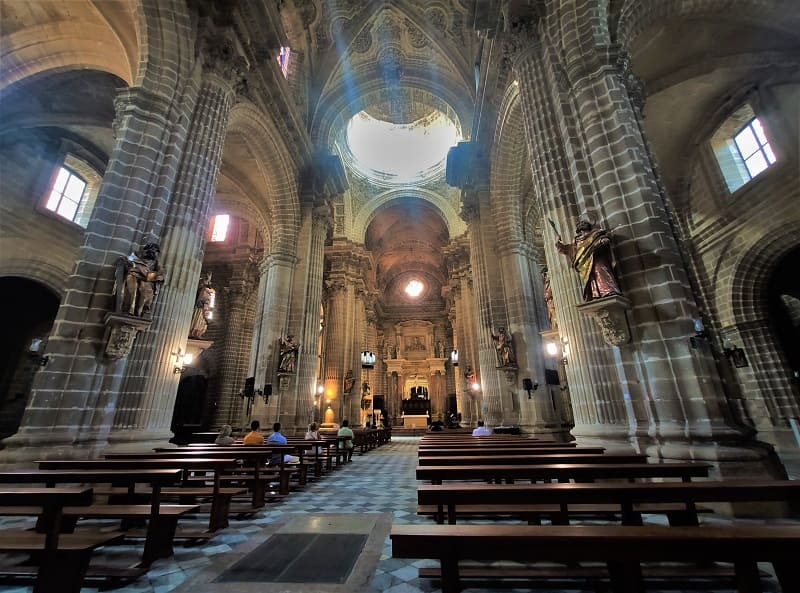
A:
(415, 421)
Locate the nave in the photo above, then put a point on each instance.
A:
(367, 496)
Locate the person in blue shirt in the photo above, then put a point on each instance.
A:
(481, 431)
(276, 438)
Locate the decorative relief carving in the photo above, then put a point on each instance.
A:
(418, 38)
(121, 331)
(437, 18)
(609, 313)
(363, 41)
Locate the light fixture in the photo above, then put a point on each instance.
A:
(35, 350)
(454, 357)
(734, 354)
(558, 349)
(367, 360)
(699, 333)
(182, 360)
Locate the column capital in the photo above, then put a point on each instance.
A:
(220, 58)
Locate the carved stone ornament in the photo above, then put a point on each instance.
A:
(609, 313)
(121, 331)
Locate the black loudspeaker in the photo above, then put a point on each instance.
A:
(527, 384)
(268, 389)
(249, 387)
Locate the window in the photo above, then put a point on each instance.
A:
(283, 61)
(754, 148)
(741, 148)
(66, 194)
(219, 227)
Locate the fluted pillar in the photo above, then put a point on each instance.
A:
(148, 400)
(597, 400)
(74, 398)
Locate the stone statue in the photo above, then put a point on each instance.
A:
(548, 299)
(590, 255)
(202, 307)
(439, 349)
(470, 377)
(289, 348)
(505, 351)
(349, 381)
(138, 277)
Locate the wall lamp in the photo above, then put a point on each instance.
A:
(734, 354)
(35, 350)
(559, 349)
(699, 334)
(182, 360)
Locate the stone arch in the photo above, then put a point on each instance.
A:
(455, 226)
(281, 209)
(46, 274)
(635, 17)
(753, 267)
(509, 157)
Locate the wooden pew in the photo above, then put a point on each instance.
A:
(563, 472)
(220, 497)
(493, 445)
(628, 499)
(511, 451)
(530, 459)
(63, 558)
(623, 548)
(161, 519)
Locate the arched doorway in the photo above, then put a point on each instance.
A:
(30, 309)
(784, 308)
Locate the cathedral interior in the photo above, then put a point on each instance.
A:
(377, 201)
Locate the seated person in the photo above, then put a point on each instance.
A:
(224, 437)
(313, 435)
(276, 438)
(254, 437)
(346, 431)
(481, 431)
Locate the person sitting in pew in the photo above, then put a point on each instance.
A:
(346, 431)
(481, 430)
(276, 438)
(224, 438)
(254, 437)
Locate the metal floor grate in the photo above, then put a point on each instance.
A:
(299, 558)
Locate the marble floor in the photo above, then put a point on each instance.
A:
(376, 490)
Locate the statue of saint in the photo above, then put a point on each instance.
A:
(548, 299)
(505, 351)
(590, 254)
(289, 348)
(203, 304)
(138, 277)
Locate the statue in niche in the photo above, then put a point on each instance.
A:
(288, 360)
(470, 376)
(349, 381)
(138, 277)
(203, 304)
(590, 255)
(504, 348)
(548, 299)
(439, 349)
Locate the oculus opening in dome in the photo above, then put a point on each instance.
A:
(400, 153)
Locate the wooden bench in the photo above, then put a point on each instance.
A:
(63, 559)
(677, 500)
(186, 494)
(563, 472)
(501, 451)
(622, 548)
(161, 519)
(531, 459)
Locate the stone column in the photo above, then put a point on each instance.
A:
(73, 399)
(525, 323)
(239, 305)
(315, 225)
(597, 400)
(144, 414)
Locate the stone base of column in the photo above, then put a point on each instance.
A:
(616, 438)
(138, 441)
(25, 448)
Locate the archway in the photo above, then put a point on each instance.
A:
(30, 310)
(783, 305)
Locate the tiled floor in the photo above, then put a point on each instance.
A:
(381, 481)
